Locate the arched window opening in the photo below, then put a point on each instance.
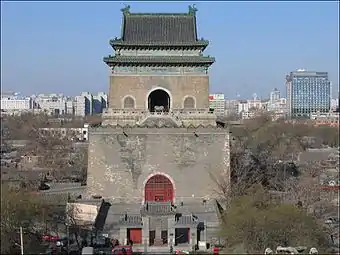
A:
(189, 103)
(129, 103)
(159, 189)
(159, 100)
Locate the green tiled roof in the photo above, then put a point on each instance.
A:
(113, 60)
(154, 28)
(119, 42)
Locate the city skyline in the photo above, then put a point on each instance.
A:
(70, 61)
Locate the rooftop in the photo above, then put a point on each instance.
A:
(159, 27)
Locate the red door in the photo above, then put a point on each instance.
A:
(136, 235)
(159, 188)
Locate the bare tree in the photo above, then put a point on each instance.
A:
(265, 152)
(254, 222)
(20, 209)
(24, 126)
(58, 153)
(79, 226)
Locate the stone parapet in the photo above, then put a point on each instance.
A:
(175, 118)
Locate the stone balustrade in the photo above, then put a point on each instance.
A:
(182, 117)
(112, 111)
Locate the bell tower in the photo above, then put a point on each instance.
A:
(159, 68)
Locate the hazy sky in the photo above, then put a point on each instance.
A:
(59, 46)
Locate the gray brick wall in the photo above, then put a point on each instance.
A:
(119, 165)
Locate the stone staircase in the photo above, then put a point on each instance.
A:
(157, 208)
(158, 224)
(158, 242)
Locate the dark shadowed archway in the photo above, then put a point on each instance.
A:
(159, 97)
(159, 188)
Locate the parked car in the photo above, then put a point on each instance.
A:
(122, 250)
(50, 238)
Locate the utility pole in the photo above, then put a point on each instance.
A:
(285, 182)
(205, 233)
(68, 237)
(21, 241)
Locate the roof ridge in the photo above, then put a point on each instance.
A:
(159, 14)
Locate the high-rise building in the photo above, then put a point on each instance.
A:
(274, 96)
(307, 92)
(334, 104)
(83, 104)
(99, 103)
(217, 102)
(69, 106)
(231, 107)
(88, 104)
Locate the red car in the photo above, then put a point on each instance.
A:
(122, 250)
(50, 238)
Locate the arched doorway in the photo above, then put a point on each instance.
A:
(159, 189)
(160, 98)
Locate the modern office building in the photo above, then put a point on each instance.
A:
(99, 102)
(307, 92)
(217, 102)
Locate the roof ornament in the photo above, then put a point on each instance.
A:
(126, 10)
(192, 9)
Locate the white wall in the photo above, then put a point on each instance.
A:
(16, 104)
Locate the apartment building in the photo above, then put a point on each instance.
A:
(251, 108)
(83, 104)
(231, 107)
(15, 103)
(74, 134)
(217, 103)
(51, 104)
(325, 119)
(55, 104)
